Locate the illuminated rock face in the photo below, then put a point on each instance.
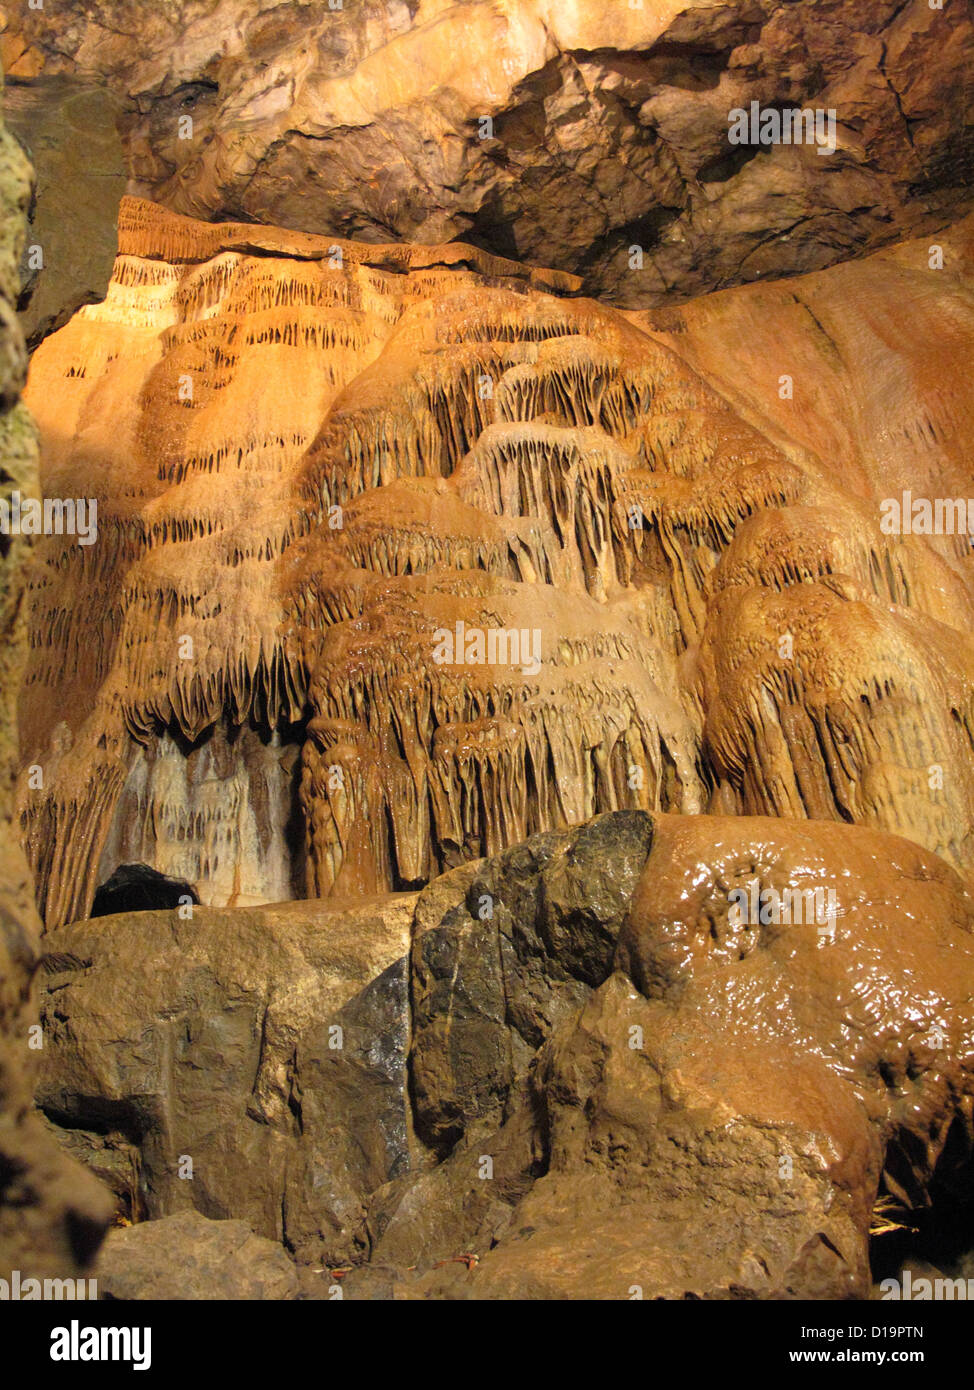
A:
(406, 554)
(560, 135)
(525, 684)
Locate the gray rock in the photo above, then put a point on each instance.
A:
(263, 1050)
(69, 130)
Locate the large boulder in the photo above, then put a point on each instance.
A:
(188, 1257)
(717, 1119)
(246, 1064)
(576, 1069)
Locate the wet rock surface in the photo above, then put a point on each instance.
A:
(613, 1083)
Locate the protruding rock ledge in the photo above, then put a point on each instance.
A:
(565, 1071)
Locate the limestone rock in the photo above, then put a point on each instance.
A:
(490, 979)
(558, 135)
(69, 132)
(52, 1214)
(187, 1257)
(484, 561)
(732, 1145)
(452, 654)
(656, 1097)
(248, 1064)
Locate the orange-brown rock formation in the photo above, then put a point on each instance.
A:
(313, 459)
(527, 662)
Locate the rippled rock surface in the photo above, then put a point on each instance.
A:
(406, 554)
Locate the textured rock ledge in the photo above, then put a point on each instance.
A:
(562, 1072)
(559, 135)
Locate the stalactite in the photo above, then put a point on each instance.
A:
(310, 457)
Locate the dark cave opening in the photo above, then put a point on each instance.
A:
(139, 888)
(931, 1235)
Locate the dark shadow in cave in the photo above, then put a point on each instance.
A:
(937, 1233)
(139, 888)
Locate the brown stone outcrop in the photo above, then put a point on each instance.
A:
(566, 1071)
(339, 488)
(558, 135)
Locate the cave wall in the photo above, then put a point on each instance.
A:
(348, 414)
(52, 1213)
(312, 459)
(222, 813)
(557, 135)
